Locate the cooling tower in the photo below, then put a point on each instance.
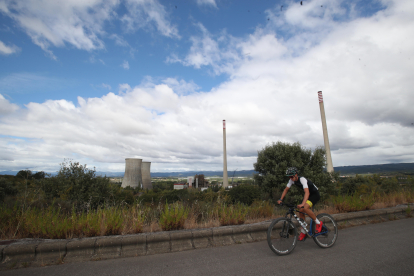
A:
(132, 175)
(146, 175)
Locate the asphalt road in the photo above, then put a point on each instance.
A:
(376, 249)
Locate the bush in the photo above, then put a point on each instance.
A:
(245, 194)
(6, 188)
(261, 209)
(173, 217)
(353, 203)
(232, 214)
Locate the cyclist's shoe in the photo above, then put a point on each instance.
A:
(319, 227)
(302, 236)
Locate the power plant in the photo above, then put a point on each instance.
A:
(146, 175)
(329, 165)
(137, 174)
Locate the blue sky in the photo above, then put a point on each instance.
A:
(100, 81)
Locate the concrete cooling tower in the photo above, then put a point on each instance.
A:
(146, 175)
(133, 176)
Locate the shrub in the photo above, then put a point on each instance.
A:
(260, 209)
(6, 188)
(232, 214)
(173, 217)
(353, 203)
(244, 194)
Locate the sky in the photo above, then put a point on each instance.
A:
(98, 81)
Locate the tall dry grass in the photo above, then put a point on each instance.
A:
(53, 223)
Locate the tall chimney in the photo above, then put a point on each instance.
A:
(146, 175)
(329, 166)
(132, 176)
(225, 179)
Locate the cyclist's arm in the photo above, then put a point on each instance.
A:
(283, 194)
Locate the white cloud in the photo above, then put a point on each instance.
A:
(221, 52)
(7, 50)
(207, 2)
(6, 107)
(125, 65)
(80, 24)
(145, 14)
(107, 86)
(362, 65)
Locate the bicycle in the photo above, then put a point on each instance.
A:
(282, 233)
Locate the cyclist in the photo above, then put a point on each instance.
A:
(310, 199)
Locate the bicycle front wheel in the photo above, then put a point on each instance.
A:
(327, 237)
(282, 236)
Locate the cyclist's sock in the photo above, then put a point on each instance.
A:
(303, 231)
(317, 221)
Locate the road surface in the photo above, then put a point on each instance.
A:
(376, 249)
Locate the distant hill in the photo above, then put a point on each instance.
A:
(377, 169)
(407, 168)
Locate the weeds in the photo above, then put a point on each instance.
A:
(408, 212)
(173, 217)
(54, 222)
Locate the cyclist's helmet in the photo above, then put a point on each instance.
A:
(291, 171)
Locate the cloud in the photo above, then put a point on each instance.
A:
(125, 65)
(207, 3)
(6, 107)
(119, 40)
(148, 13)
(7, 50)
(363, 66)
(107, 86)
(81, 24)
(220, 52)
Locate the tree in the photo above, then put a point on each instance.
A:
(39, 175)
(80, 185)
(274, 159)
(25, 174)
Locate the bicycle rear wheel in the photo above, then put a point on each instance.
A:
(327, 237)
(282, 236)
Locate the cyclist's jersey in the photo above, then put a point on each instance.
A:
(303, 183)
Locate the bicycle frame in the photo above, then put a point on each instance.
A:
(303, 224)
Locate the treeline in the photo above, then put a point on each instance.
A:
(74, 186)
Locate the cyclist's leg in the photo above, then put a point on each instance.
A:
(312, 200)
(307, 209)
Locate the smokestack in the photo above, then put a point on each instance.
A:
(132, 176)
(146, 175)
(225, 179)
(329, 166)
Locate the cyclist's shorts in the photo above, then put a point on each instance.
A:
(313, 199)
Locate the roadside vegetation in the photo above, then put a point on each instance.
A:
(77, 203)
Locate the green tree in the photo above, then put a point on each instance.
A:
(39, 175)
(80, 185)
(274, 159)
(24, 174)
